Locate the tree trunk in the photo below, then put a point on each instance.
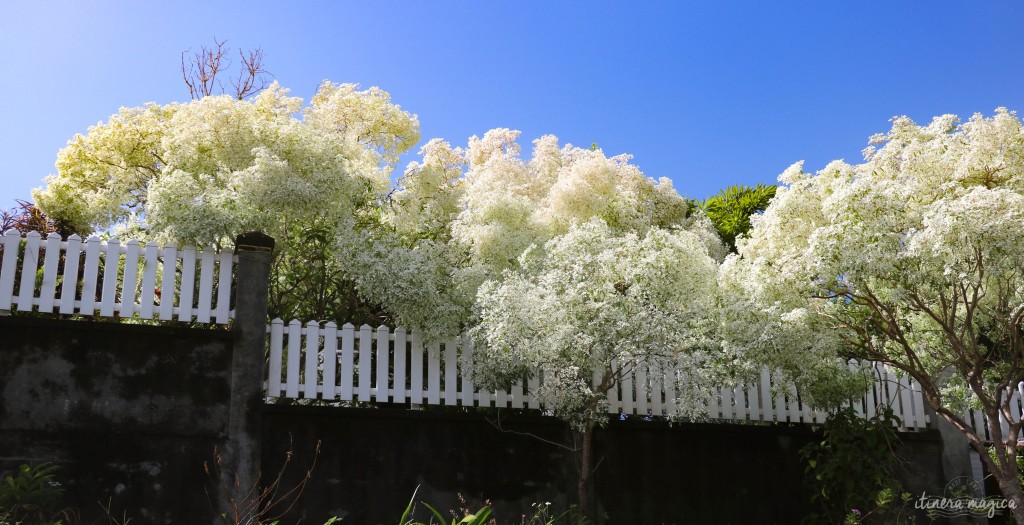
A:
(1004, 465)
(1004, 468)
(1012, 492)
(584, 486)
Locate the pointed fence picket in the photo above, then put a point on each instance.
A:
(382, 366)
(93, 277)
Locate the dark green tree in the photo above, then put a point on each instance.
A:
(731, 208)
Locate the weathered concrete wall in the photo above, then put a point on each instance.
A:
(371, 461)
(129, 413)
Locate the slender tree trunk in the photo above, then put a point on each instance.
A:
(584, 486)
(1004, 468)
(1012, 492)
(1004, 465)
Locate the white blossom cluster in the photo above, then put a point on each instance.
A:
(510, 204)
(204, 171)
(413, 282)
(493, 205)
(573, 261)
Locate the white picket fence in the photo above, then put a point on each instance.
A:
(345, 364)
(978, 420)
(194, 284)
(106, 278)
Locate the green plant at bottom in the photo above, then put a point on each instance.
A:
(543, 516)
(478, 518)
(32, 496)
(853, 471)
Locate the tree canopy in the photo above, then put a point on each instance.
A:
(317, 178)
(202, 171)
(594, 300)
(461, 217)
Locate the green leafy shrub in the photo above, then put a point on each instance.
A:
(852, 470)
(32, 495)
(478, 518)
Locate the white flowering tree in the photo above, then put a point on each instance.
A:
(914, 258)
(573, 260)
(572, 265)
(591, 306)
(201, 172)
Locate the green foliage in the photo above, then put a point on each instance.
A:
(542, 515)
(731, 208)
(1020, 463)
(851, 470)
(478, 518)
(308, 282)
(32, 495)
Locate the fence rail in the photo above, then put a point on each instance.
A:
(332, 363)
(113, 279)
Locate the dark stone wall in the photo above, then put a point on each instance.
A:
(371, 461)
(129, 413)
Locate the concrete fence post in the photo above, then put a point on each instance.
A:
(956, 461)
(240, 472)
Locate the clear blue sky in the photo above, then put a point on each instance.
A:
(706, 95)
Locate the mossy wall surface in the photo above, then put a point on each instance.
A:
(129, 413)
